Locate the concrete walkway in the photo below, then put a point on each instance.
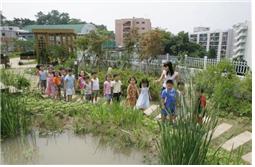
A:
(15, 63)
(237, 141)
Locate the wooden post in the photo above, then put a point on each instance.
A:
(37, 47)
(61, 39)
(71, 41)
(55, 39)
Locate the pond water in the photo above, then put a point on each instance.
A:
(64, 148)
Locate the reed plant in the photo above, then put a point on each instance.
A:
(15, 118)
(187, 142)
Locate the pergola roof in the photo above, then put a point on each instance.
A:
(78, 28)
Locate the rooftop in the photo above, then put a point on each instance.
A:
(78, 28)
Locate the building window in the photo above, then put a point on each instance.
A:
(3, 34)
(137, 22)
(128, 23)
(143, 28)
(143, 22)
(10, 28)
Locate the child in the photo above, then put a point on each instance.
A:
(63, 75)
(95, 86)
(168, 102)
(69, 84)
(180, 102)
(38, 75)
(43, 78)
(107, 89)
(81, 82)
(200, 105)
(116, 85)
(143, 101)
(88, 89)
(132, 92)
(50, 90)
(57, 83)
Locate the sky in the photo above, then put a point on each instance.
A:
(172, 15)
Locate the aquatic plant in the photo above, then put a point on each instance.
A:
(15, 118)
(187, 142)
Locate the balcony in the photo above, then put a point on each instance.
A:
(241, 41)
(241, 28)
(242, 34)
(239, 49)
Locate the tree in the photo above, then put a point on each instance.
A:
(212, 54)
(76, 21)
(180, 45)
(3, 19)
(53, 17)
(24, 45)
(82, 42)
(95, 43)
(152, 43)
(131, 40)
(56, 53)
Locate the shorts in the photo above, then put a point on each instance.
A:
(116, 96)
(108, 97)
(69, 92)
(43, 83)
(170, 112)
(88, 97)
(94, 93)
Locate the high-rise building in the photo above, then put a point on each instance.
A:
(123, 26)
(220, 41)
(242, 41)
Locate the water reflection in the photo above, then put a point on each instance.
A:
(65, 148)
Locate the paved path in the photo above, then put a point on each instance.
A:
(220, 129)
(15, 63)
(248, 157)
(237, 141)
(151, 109)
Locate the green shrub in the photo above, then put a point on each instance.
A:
(226, 91)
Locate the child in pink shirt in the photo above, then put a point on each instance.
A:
(107, 89)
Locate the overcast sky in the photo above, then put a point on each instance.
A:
(173, 16)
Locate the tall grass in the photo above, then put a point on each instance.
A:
(9, 78)
(15, 117)
(187, 142)
(116, 114)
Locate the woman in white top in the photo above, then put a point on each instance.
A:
(168, 73)
(95, 86)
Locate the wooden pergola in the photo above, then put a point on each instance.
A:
(48, 37)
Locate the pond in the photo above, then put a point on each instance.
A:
(64, 148)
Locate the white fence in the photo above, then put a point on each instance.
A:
(156, 64)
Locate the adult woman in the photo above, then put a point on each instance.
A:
(168, 73)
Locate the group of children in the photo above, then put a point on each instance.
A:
(53, 82)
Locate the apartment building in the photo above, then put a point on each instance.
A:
(7, 36)
(220, 41)
(242, 41)
(123, 26)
